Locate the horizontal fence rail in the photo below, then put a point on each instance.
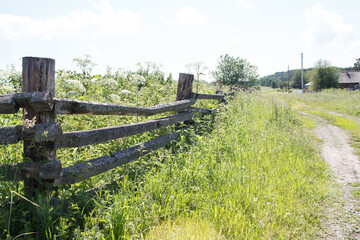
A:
(208, 96)
(232, 93)
(42, 132)
(23, 171)
(42, 135)
(65, 106)
(39, 101)
(88, 137)
(85, 170)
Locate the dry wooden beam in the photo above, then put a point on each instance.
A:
(64, 106)
(42, 132)
(230, 93)
(39, 101)
(202, 110)
(38, 75)
(23, 171)
(7, 104)
(184, 89)
(83, 138)
(208, 96)
(85, 170)
(11, 134)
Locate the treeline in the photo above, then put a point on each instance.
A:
(281, 79)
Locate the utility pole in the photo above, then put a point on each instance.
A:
(302, 74)
(288, 79)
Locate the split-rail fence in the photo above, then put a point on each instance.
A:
(41, 135)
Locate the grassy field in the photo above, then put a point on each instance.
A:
(256, 175)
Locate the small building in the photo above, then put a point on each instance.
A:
(307, 87)
(349, 80)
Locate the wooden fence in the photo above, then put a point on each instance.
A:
(41, 135)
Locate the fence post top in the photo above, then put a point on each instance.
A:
(42, 58)
(188, 74)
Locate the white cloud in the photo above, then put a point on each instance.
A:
(244, 4)
(102, 22)
(188, 16)
(326, 27)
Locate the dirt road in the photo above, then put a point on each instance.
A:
(343, 216)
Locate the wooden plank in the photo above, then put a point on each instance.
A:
(10, 134)
(7, 104)
(65, 106)
(88, 137)
(208, 96)
(24, 171)
(38, 76)
(42, 132)
(184, 90)
(230, 93)
(85, 170)
(39, 101)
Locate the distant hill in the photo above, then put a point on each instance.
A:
(277, 79)
(281, 76)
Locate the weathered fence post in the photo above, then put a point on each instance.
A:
(184, 90)
(38, 76)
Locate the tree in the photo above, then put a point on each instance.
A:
(85, 64)
(324, 75)
(267, 81)
(357, 65)
(295, 80)
(235, 71)
(274, 84)
(169, 79)
(197, 68)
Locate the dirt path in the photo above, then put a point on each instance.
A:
(343, 217)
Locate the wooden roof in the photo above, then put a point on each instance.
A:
(349, 77)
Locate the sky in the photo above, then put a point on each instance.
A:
(269, 34)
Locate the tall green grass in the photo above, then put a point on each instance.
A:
(255, 176)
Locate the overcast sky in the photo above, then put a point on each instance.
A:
(269, 34)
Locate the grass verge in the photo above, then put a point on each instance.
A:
(255, 176)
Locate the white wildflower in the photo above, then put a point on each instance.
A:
(114, 98)
(124, 91)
